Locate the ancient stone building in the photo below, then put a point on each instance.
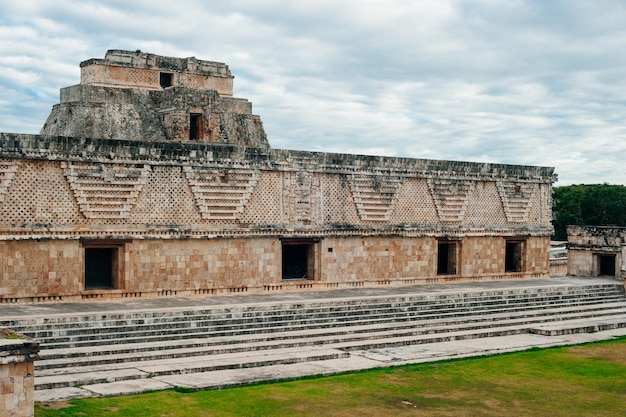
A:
(150, 179)
(596, 251)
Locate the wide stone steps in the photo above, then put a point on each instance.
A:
(180, 330)
(106, 346)
(235, 344)
(92, 374)
(73, 377)
(63, 329)
(141, 344)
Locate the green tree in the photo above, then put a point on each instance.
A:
(588, 205)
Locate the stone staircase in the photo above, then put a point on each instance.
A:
(97, 347)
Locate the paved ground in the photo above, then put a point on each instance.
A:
(357, 361)
(53, 309)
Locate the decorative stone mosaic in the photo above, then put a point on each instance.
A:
(221, 193)
(105, 191)
(374, 195)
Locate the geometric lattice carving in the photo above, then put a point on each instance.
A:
(516, 199)
(105, 191)
(451, 197)
(221, 194)
(374, 195)
(8, 168)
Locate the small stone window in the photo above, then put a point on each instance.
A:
(166, 79)
(195, 126)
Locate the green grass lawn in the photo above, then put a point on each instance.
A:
(586, 380)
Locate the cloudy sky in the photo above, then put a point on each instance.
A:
(534, 82)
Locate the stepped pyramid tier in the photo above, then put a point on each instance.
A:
(149, 179)
(139, 96)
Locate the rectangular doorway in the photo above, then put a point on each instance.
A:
(103, 264)
(100, 268)
(196, 126)
(514, 256)
(298, 259)
(447, 258)
(606, 265)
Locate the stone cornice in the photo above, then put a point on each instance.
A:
(22, 146)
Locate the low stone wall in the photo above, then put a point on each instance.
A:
(558, 267)
(17, 377)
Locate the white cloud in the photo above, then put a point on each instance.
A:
(514, 82)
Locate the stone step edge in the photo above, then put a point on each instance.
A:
(327, 312)
(479, 315)
(363, 342)
(558, 329)
(356, 299)
(148, 371)
(119, 352)
(175, 320)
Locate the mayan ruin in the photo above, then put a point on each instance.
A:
(149, 179)
(152, 239)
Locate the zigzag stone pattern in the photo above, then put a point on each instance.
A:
(105, 191)
(8, 168)
(374, 195)
(451, 197)
(516, 199)
(220, 193)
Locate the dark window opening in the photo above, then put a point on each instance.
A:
(165, 79)
(606, 265)
(296, 261)
(513, 257)
(195, 126)
(100, 266)
(446, 258)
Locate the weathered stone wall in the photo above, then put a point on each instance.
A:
(140, 114)
(17, 381)
(130, 69)
(203, 266)
(591, 246)
(62, 187)
(187, 267)
(139, 96)
(190, 218)
(32, 269)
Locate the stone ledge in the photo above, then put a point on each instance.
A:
(16, 348)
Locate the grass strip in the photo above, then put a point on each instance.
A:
(584, 380)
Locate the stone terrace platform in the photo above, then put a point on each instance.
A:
(118, 348)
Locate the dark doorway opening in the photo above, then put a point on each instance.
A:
(513, 257)
(446, 258)
(100, 266)
(606, 265)
(295, 261)
(165, 79)
(195, 126)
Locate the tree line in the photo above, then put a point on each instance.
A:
(588, 205)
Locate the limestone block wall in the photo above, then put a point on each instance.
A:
(134, 69)
(377, 259)
(596, 250)
(113, 112)
(17, 380)
(191, 218)
(46, 269)
(202, 266)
